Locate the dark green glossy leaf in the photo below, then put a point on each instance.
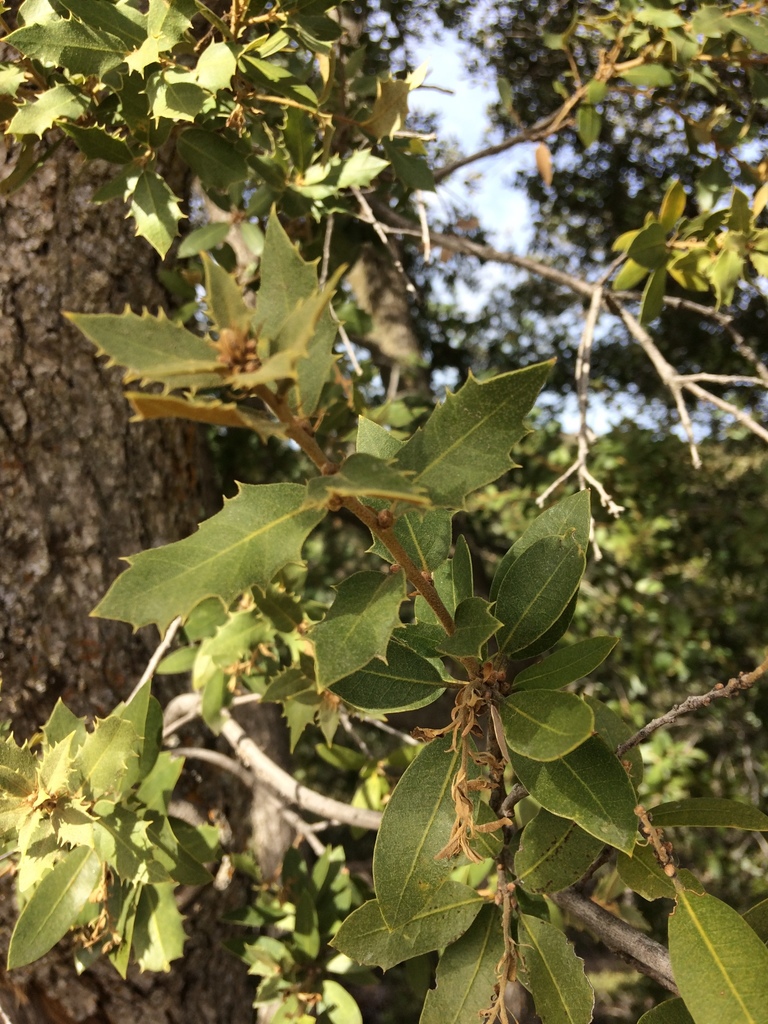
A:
(474, 626)
(672, 1011)
(566, 666)
(709, 812)
(545, 724)
(553, 853)
(644, 875)
(553, 974)
(404, 682)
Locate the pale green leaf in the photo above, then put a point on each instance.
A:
(416, 825)
(106, 756)
(466, 973)
(174, 93)
(719, 964)
(337, 1005)
(709, 812)
(54, 906)
(215, 67)
(224, 298)
(649, 247)
(18, 769)
(158, 935)
(649, 76)
(358, 625)
(672, 206)
(390, 109)
(553, 853)
(653, 296)
(203, 410)
(168, 20)
(152, 348)
(360, 169)
(588, 124)
(97, 144)
(466, 441)
(537, 589)
(404, 682)
(156, 211)
(121, 840)
(256, 533)
(553, 974)
(36, 116)
(589, 786)
(202, 239)
(545, 724)
(566, 666)
(630, 275)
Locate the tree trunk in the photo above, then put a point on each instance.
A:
(82, 487)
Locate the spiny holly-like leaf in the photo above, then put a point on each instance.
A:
(36, 116)
(54, 906)
(571, 514)
(18, 770)
(466, 441)
(566, 666)
(466, 973)
(719, 963)
(255, 534)
(174, 93)
(709, 812)
(202, 410)
(217, 161)
(390, 110)
(588, 786)
(416, 826)
(152, 348)
(80, 49)
(545, 724)
(106, 756)
(121, 840)
(474, 626)
(553, 974)
(404, 682)
(554, 853)
(358, 625)
(366, 476)
(426, 536)
(156, 211)
(537, 589)
(168, 20)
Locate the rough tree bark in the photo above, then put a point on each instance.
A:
(80, 488)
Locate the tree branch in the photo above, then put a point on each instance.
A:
(157, 656)
(285, 786)
(649, 956)
(736, 685)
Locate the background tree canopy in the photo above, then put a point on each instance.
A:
(420, 718)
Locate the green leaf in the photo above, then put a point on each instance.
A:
(403, 682)
(589, 786)
(202, 410)
(70, 44)
(358, 625)
(174, 93)
(366, 938)
(224, 298)
(649, 76)
(644, 875)
(566, 666)
(466, 441)
(649, 247)
(54, 906)
(588, 124)
(151, 348)
(18, 770)
(306, 932)
(257, 532)
(709, 812)
(545, 724)
(158, 934)
(122, 841)
(614, 731)
(416, 826)
(553, 853)
(35, 117)
(474, 626)
(360, 169)
(653, 296)
(411, 168)
(97, 144)
(757, 919)
(365, 476)
(202, 239)
(106, 757)
(631, 274)
(168, 20)
(553, 974)
(426, 536)
(215, 159)
(338, 1006)
(672, 206)
(537, 589)
(156, 211)
(466, 973)
(725, 272)
(672, 1011)
(719, 964)
(390, 110)
(216, 66)
(571, 514)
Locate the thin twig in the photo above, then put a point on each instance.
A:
(285, 786)
(326, 252)
(157, 657)
(350, 730)
(227, 764)
(303, 830)
(367, 214)
(425, 240)
(736, 685)
(404, 737)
